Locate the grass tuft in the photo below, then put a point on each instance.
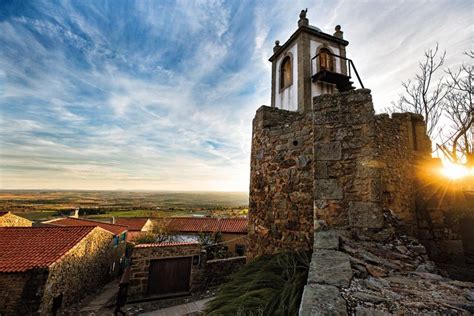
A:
(269, 285)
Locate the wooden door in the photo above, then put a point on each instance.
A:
(169, 276)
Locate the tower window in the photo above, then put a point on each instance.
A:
(286, 74)
(325, 60)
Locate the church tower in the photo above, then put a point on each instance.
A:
(308, 64)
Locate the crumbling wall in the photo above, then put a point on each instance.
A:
(281, 188)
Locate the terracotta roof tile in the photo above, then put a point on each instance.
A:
(207, 224)
(72, 221)
(25, 248)
(167, 244)
(133, 223)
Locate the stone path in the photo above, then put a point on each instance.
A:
(180, 310)
(105, 297)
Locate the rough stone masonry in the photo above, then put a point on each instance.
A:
(342, 164)
(339, 163)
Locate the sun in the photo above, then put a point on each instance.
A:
(455, 171)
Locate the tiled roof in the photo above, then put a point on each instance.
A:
(206, 224)
(25, 248)
(133, 223)
(166, 244)
(72, 221)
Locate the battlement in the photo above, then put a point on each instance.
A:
(339, 163)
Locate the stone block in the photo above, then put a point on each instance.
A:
(327, 189)
(330, 267)
(365, 215)
(321, 170)
(328, 151)
(326, 240)
(322, 299)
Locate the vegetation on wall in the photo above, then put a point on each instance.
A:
(269, 285)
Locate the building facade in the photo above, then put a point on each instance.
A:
(45, 269)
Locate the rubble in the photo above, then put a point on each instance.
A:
(389, 276)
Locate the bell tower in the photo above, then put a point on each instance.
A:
(308, 64)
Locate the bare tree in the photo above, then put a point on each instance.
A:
(424, 96)
(459, 110)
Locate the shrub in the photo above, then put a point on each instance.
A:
(269, 285)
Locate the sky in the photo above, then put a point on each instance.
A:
(160, 95)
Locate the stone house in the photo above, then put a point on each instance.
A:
(8, 219)
(232, 230)
(44, 269)
(136, 226)
(164, 269)
(117, 240)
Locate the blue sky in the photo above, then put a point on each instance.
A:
(160, 95)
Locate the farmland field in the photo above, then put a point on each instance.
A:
(41, 205)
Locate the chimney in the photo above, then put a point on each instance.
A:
(76, 213)
(113, 219)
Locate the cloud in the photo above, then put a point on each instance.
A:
(159, 95)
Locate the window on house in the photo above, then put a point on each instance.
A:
(286, 75)
(325, 60)
(116, 240)
(240, 249)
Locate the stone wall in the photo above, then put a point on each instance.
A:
(81, 270)
(445, 211)
(218, 271)
(12, 220)
(143, 255)
(340, 161)
(20, 293)
(281, 203)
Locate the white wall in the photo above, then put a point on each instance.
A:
(288, 98)
(318, 88)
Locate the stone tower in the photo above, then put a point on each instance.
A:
(321, 154)
(308, 64)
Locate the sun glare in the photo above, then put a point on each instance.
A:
(456, 171)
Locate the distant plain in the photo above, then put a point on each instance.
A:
(47, 204)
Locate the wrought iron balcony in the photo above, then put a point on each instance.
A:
(334, 69)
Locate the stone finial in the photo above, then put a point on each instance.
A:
(338, 32)
(303, 19)
(277, 46)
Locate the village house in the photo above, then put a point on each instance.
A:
(8, 219)
(118, 238)
(137, 226)
(232, 230)
(44, 269)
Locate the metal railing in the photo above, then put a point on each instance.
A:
(345, 61)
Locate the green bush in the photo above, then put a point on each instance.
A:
(269, 285)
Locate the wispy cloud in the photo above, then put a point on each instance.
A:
(160, 95)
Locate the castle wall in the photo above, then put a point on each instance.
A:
(355, 164)
(281, 188)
